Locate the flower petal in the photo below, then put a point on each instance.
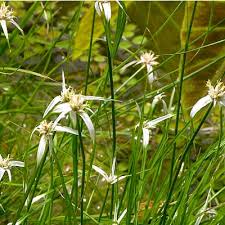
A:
(146, 134)
(88, 123)
(127, 65)
(2, 171)
(41, 148)
(4, 28)
(63, 82)
(95, 98)
(16, 163)
(98, 8)
(113, 166)
(73, 117)
(52, 104)
(61, 116)
(100, 171)
(64, 107)
(152, 123)
(17, 26)
(200, 104)
(107, 10)
(65, 129)
(9, 174)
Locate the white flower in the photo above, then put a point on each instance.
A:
(116, 220)
(216, 94)
(148, 60)
(6, 165)
(103, 6)
(6, 15)
(159, 98)
(149, 125)
(46, 131)
(65, 96)
(73, 104)
(111, 178)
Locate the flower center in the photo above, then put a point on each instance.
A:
(5, 13)
(77, 102)
(67, 94)
(216, 92)
(149, 58)
(4, 163)
(45, 128)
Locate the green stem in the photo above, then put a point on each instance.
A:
(90, 50)
(104, 202)
(112, 106)
(74, 192)
(67, 197)
(181, 79)
(83, 171)
(186, 150)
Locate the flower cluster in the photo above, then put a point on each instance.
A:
(6, 15)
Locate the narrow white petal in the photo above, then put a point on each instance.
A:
(118, 179)
(118, 2)
(4, 28)
(9, 174)
(41, 148)
(17, 26)
(200, 104)
(2, 171)
(61, 116)
(63, 82)
(98, 8)
(94, 98)
(33, 131)
(113, 166)
(65, 129)
(152, 123)
(222, 101)
(127, 65)
(1, 157)
(73, 117)
(52, 104)
(121, 216)
(146, 134)
(64, 107)
(100, 171)
(88, 123)
(107, 10)
(17, 163)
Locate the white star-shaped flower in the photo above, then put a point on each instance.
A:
(73, 104)
(148, 60)
(111, 178)
(6, 165)
(46, 130)
(6, 15)
(148, 126)
(216, 95)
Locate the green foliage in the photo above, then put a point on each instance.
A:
(177, 178)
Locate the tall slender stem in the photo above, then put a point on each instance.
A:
(181, 79)
(89, 53)
(83, 172)
(112, 105)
